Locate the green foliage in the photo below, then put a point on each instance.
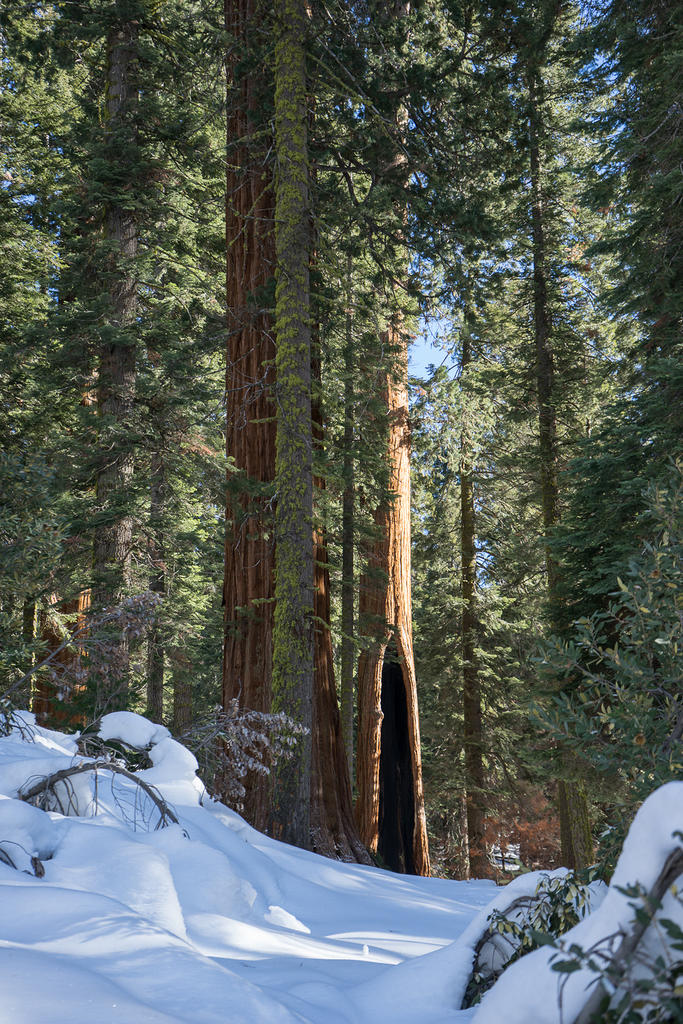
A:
(558, 903)
(620, 705)
(31, 545)
(630, 50)
(647, 988)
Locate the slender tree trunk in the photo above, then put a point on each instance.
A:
(53, 698)
(348, 550)
(293, 636)
(29, 638)
(575, 834)
(157, 584)
(474, 762)
(182, 693)
(116, 381)
(333, 827)
(248, 591)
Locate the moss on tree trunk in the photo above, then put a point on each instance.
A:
(293, 624)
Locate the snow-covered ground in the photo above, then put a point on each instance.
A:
(208, 921)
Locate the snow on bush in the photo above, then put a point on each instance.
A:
(231, 742)
(614, 952)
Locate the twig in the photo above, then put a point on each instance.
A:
(41, 788)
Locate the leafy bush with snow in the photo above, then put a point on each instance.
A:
(559, 902)
(643, 986)
(229, 743)
(622, 962)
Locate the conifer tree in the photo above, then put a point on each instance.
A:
(113, 536)
(638, 185)
(390, 805)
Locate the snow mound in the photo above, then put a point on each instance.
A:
(131, 729)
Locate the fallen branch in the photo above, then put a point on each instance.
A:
(39, 792)
(36, 862)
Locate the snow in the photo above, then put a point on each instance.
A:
(133, 729)
(209, 921)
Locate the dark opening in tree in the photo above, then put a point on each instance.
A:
(396, 802)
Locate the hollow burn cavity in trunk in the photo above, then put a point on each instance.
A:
(396, 797)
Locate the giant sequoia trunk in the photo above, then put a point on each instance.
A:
(390, 807)
(248, 590)
(575, 834)
(116, 373)
(251, 443)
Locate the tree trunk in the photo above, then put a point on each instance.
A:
(54, 695)
(28, 631)
(293, 635)
(157, 584)
(390, 807)
(116, 380)
(182, 693)
(471, 688)
(575, 834)
(248, 591)
(348, 550)
(333, 827)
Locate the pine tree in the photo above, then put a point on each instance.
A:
(637, 119)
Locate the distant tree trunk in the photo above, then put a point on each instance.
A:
(53, 697)
(116, 379)
(472, 710)
(29, 637)
(575, 834)
(390, 807)
(348, 589)
(293, 635)
(157, 584)
(182, 692)
(248, 590)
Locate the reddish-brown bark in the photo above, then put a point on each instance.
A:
(250, 244)
(52, 700)
(333, 826)
(385, 598)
